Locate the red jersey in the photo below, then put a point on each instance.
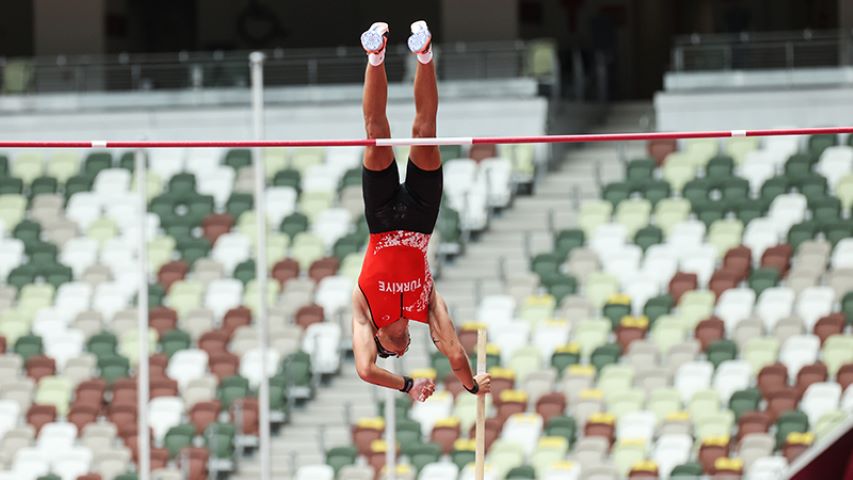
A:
(395, 277)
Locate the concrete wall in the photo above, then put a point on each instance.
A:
(753, 109)
(69, 27)
(477, 117)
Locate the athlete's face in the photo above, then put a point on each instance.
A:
(394, 340)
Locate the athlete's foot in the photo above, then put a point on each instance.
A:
(374, 41)
(420, 42)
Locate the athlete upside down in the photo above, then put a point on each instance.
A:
(395, 285)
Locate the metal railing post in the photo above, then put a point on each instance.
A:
(256, 60)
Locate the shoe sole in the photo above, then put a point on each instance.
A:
(372, 42)
(419, 42)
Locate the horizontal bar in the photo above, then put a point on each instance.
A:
(392, 142)
(371, 142)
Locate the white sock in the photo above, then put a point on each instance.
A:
(425, 57)
(376, 59)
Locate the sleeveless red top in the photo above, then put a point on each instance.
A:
(395, 277)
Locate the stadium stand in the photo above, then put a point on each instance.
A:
(701, 331)
(68, 333)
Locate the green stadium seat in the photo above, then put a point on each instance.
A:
(656, 190)
(347, 245)
(562, 426)
(402, 405)
(710, 212)
(788, 422)
(77, 184)
(450, 152)
(4, 165)
(351, 178)
(799, 165)
(11, 185)
(565, 356)
(290, 178)
(102, 344)
(615, 312)
(43, 185)
(127, 476)
(658, 306)
(812, 186)
(560, 286)
(296, 367)
(825, 209)
(113, 367)
(173, 341)
(408, 430)
(847, 307)
(177, 438)
(193, 248)
(441, 365)
(750, 209)
(238, 158)
(239, 203)
(127, 161)
(27, 231)
(28, 346)
(546, 264)
(720, 351)
(95, 162)
(733, 188)
(339, 457)
(423, 454)
(763, 278)
(182, 184)
(462, 457)
(640, 170)
(605, 355)
(567, 240)
(49, 476)
(720, 166)
(294, 224)
(219, 440)
(232, 388)
(801, 232)
(773, 187)
(57, 274)
(687, 471)
(743, 401)
(22, 275)
(616, 192)
(818, 143)
(648, 236)
(245, 271)
(523, 472)
(156, 293)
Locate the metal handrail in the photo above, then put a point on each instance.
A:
(193, 70)
(767, 50)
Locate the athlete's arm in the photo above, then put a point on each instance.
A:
(444, 337)
(364, 351)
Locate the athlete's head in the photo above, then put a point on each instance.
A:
(393, 340)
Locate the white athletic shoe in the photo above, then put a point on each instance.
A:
(421, 38)
(375, 38)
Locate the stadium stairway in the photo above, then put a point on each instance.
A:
(496, 261)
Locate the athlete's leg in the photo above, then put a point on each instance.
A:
(375, 99)
(426, 99)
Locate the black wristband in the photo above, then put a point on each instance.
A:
(407, 384)
(473, 390)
